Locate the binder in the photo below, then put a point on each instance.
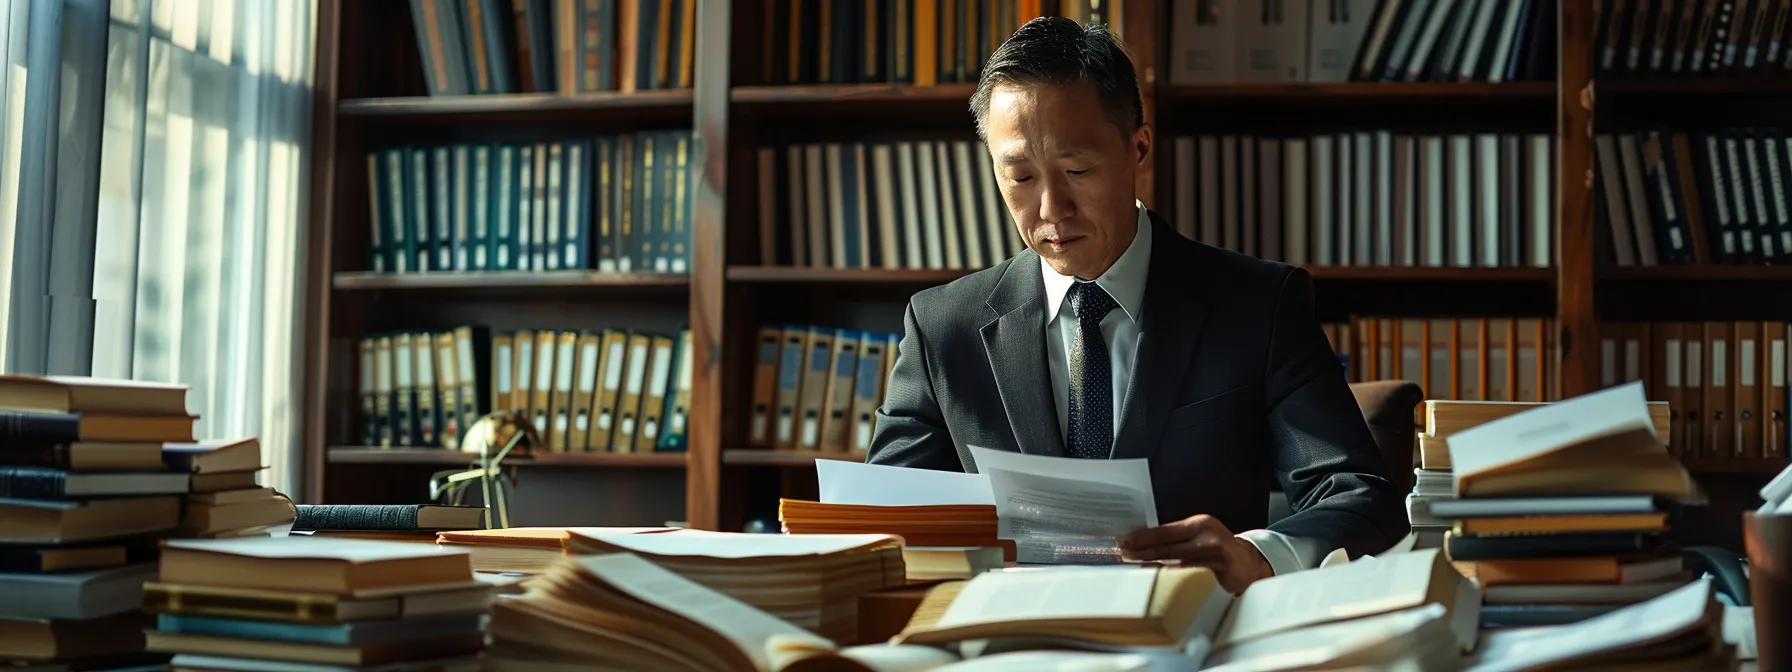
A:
(1667, 368)
(842, 366)
(385, 395)
(615, 355)
(1498, 358)
(818, 349)
(867, 390)
(1693, 393)
(1745, 389)
(1720, 427)
(765, 389)
(584, 383)
(1773, 389)
(628, 403)
(404, 392)
(1529, 360)
(891, 343)
(653, 399)
(369, 390)
(448, 386)
(560, 403)
(503, 361)
(470, 348)
(541, 396)
(523, 391)
(790, 383)
(678, 404)
(423, 353)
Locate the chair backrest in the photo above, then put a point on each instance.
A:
(1388, 407)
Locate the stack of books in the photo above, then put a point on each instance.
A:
(929, 532)
(811, 581)
(225, 500)
(84, 496)
(1434, 480)
(523, 550)
(416, 523)
(266, 603)
(1563, 510)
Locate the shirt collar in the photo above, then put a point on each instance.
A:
(1124, 280)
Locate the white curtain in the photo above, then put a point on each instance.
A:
(153, 202)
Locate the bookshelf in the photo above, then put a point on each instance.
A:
(371, 91)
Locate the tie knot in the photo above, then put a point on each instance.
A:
(1090, 302)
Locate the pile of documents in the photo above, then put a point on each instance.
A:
(1682, 630)
(84, 497)
(225, 500)
(811, 581)
(1562, 509)
(1434, 480)
(522, 550)
(960, 528)
(245, 603)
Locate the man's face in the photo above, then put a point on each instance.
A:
(1067, 174)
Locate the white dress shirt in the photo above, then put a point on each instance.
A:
(1125, 282)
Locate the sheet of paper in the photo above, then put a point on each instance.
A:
(750, 629)
(1077, 661)
(844, 482)
(326, 548)
(1521, 436)
(736, 545)
(1315, 646)
(1350, 590)
(1067, 511)
(1530, 648)
(1109, 592)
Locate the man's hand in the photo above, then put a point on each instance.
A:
(1200, 541)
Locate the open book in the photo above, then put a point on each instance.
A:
(622, 612)
(1168, 606)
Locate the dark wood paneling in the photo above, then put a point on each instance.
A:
(1576, 317)
(510, 281)
(322, 180)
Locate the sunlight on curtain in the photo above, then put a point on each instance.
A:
(14, 17)
(199, 254)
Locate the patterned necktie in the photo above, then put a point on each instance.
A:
(1091, 433)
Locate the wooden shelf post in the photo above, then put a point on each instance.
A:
(703, 466)
(1576, 250)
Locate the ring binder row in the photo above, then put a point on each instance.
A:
(619, 203)
(1711, 197)
(1464, 359)
(818, 389)
(555, 46)
(1724, 381)
(614, 390)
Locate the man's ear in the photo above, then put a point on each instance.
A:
(1141, 143)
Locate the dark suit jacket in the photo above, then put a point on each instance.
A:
(1233, 384)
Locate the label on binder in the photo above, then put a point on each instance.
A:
(784, 429)
(650, 429)
(603, 421)
(628, 425)
(677, 422)
(811, 432)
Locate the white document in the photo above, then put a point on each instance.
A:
(1064, 510)
(1106, 592)
(1635, 625)
(1149, 660)
(1525, 435)
(844, 482)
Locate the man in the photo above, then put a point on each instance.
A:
(1114, 337)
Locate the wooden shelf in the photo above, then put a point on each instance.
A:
(1738, 465)
(760, 457)
(439, 456)
(519, 105)
(1702, 86)
(1360, 92)
(852, 93)
(1730, 272)
(367, 281)
(1417, 274)
(805, 274)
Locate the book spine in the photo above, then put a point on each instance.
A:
(36, 428)
(397, 517)
(32, 483)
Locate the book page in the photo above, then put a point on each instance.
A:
(1529, 648)
(1547, 428)
(1315, 596)
(735, 545)
(750, 629)
(322, 548)
(1106, 592)
(1144, 660)
(843, 482)
(1315, 646)
(1067, 511)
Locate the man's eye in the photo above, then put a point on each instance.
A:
(1024, 178)
(1077, 172)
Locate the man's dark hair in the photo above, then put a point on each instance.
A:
(1057, 50)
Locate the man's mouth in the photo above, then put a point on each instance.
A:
(1059, 243)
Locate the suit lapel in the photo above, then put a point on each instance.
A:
(1015, 344)
(1174, 313)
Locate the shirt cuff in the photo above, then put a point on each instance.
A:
(1285, 554)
